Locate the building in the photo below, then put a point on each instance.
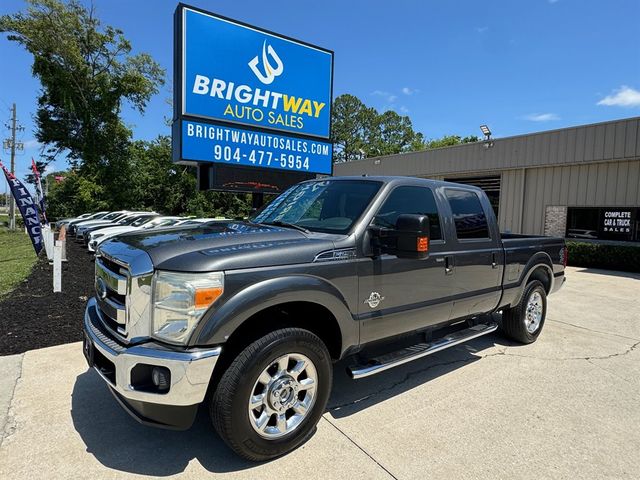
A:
(579, 182)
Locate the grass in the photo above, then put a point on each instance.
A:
(17, 257)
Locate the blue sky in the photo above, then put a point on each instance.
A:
(518, 66)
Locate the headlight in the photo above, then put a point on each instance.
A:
(180, 300)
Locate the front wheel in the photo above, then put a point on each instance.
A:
(524, 322)
(273, 394)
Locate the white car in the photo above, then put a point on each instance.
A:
(145, 223)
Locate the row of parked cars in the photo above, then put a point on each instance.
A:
(94, 228)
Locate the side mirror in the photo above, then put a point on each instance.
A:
(412, 233)
(409, 238)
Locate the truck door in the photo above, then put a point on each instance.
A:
(398, 295)
(477, 261)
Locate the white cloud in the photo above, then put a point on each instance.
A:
(482, 29)
(403, 109)
(541, 117)
(622, 97)
(409, 91)
(32, 144)
(388, 96)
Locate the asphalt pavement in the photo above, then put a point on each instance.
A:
(567, 406)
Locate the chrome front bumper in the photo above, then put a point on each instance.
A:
(190, 369)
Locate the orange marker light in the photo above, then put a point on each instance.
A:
(206, 296)
(423, 244)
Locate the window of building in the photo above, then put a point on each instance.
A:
(411, 200)
(607, 223)
(468, 215)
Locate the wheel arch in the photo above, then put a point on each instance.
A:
(301, 301)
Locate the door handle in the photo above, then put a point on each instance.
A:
(494, 264)
(448, 264)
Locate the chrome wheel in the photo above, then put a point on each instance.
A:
(283, 395)
(533, 314)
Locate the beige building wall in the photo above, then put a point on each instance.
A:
(610, 184)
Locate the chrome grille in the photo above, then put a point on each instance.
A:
(123, 293)
(111, 284)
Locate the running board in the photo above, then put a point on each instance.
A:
(408, 354)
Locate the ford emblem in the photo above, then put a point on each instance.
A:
(101, 288)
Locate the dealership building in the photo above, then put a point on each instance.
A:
(580, 182)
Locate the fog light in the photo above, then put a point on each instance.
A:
(161, 378)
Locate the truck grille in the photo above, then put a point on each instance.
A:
(112, 287)
(123, 291)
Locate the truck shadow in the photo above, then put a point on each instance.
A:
(120, 443)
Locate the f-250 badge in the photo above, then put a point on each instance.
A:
(374, 299)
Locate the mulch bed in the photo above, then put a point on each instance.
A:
(32, 316)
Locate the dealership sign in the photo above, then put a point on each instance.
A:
(249, 97)
(617, 223)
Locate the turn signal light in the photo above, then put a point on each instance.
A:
(423, 244)
(206, 296)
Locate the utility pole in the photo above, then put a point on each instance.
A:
(13, 145)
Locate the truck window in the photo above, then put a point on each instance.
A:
(468, 215)
(412, 200)
(329, 206)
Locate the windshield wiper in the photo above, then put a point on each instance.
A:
(279, 223)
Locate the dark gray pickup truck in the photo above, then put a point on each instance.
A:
(247, 317)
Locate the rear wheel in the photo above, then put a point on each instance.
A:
(273, 394)
(524, 322)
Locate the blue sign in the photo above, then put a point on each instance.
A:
(233, 146)
(239, 74)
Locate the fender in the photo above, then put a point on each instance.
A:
(221, 321)
(540, 259)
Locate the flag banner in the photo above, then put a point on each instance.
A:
(40, 192)
(27, 208)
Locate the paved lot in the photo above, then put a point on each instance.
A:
(567, 406)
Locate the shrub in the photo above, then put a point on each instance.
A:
(599, 255)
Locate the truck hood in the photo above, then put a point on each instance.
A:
(225, 245)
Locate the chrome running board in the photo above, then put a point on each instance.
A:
(408, 354)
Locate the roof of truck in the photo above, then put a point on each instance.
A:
(400, 179)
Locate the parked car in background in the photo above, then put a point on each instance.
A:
(94, 216)
(82, 231)
(66, 221)
(97, 237)
(110, 217)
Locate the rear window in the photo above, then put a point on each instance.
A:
(468, 215)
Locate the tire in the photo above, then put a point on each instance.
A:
(515, 322)
(258, 370)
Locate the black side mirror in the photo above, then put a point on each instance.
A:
(409, 238)
(412, 233)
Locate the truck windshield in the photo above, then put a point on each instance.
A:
(330, 206)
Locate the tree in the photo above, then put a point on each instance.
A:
(352, 127)
(87, 72)
(359, 131)
(450, 140)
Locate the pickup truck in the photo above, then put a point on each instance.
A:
(247, 318)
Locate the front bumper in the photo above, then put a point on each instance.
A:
(118, 365)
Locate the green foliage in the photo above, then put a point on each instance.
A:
(86, 71)
(358, 131)
(597, 255)
(153, 182)
(450, 140)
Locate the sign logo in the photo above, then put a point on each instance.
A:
(270, 72)
(374, 299)
(101, 288)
